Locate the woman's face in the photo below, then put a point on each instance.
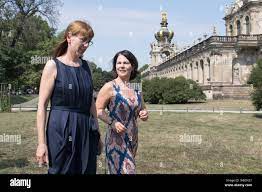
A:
(78, 44)
(123, 67)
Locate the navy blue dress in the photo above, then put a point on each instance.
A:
(72, 145)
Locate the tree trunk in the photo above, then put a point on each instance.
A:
(16, 36)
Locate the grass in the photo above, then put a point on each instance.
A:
(15, 158)
(226, 104)
(230, 143)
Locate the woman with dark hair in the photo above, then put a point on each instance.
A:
(125, 104)
(70, 143)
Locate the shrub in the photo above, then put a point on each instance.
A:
(169, 91)
(255, 78)
(5, 104)
(152, 90)
(195, 91)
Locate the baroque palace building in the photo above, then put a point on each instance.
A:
(221, 65)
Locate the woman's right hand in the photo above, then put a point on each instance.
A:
(119, 127)
(42, 155)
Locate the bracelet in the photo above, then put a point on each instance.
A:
(111, 122)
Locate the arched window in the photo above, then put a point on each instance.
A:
(209, 70)
(197, 70)
(191, 70)
(202, 70)
(238, 27)
(247, 25)
(231, 30)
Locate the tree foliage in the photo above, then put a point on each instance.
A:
(152, 90)
(16, 15)
(169, 91)
(255, 79)
(144, 67)
(100, 77)
(26, 30)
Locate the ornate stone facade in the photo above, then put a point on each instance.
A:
(220, 64)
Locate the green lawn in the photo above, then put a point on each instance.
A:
(228, 143)
(227, 104)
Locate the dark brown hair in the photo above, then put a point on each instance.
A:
(75, 28)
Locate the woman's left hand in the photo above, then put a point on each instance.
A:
(143, 115)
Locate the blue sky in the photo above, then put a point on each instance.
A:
(131, 24)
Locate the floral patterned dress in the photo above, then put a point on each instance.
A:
(121, 148)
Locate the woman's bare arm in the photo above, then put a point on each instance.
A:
(102, 101)
(45, 91)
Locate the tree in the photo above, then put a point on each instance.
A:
(169, 90)
(25, 33)
(15, 14)
(2, 72)
(144, 67)
(255, 78)
(36, 33)
(176, 91)
(195, 91)
(38, 40)
(2, 68)
(97, 81)
(100, 77)
(108, 76)
(152, 90)
(137, 79)
(15, 62)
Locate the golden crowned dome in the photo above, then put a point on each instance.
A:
(164, 33)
